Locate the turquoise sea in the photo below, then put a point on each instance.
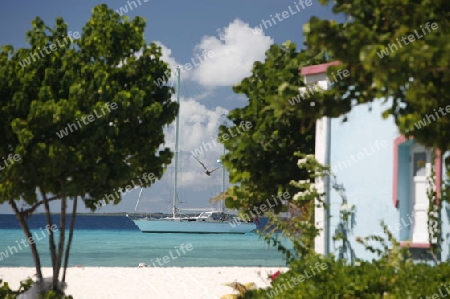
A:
(114, 241)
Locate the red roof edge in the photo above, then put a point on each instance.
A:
(317, 69)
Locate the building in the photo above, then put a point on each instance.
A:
(384, 175)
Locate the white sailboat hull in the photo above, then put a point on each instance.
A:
(192, 227)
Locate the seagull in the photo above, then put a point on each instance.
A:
(208, 172)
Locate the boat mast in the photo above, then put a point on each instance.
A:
(222, 203)
(137, 203)
(177, 137)
(222, 208)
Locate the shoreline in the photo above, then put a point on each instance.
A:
(148, 282)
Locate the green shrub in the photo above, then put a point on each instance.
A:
(364, 280)
(394, 275)
(56, 295)
(7, 293)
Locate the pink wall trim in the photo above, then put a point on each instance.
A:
(438, 174)
(414, 245)
(317, 69)
(399, 140)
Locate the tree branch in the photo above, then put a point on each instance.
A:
(33, 208)
(26, 230)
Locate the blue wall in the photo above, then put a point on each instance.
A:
(368, 181)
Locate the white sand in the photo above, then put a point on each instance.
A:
(151, 282)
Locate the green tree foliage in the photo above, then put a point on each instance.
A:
(395, 50)
(300, 229)
(261, 160)
(109, 66)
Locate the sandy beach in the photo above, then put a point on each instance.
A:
(150, 282)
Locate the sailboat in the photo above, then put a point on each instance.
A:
(207, 222)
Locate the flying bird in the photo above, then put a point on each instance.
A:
(207, 171)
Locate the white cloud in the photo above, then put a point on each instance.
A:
(235, 51)
(221, 60)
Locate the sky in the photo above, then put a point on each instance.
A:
(221, 41)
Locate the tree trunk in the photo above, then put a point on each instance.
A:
(69, 243)
(51, 238)
(26, 230)
(62, 233)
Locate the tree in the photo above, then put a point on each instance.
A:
(394, 51)
(83, 121)
(261, 159)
